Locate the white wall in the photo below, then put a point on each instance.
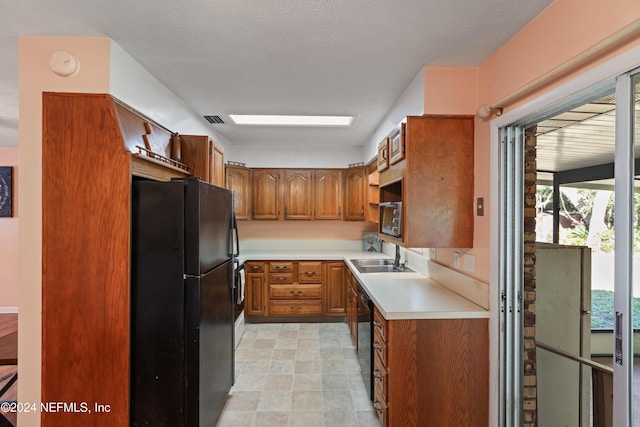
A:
(410, 103)
(292, 158)
(137, 87)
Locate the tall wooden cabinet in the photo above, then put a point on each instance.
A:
(87, 167)
(205, 158)
(239, 181)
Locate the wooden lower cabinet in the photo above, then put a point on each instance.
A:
(431, 372)
(295, 308)
(255, 289)
(335, 298)
(352, 305)
(295, 288)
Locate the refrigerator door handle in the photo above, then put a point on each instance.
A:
(236, 243)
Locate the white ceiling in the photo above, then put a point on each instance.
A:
(273, 56)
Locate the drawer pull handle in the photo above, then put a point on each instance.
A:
(295, 308)
(255, 267)
(280, 267)
(377, 324)
(309, 273)
(295, 292)
(282, 278)
(377, 346)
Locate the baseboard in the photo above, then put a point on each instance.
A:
(8, 309)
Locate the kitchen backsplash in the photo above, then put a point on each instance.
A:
(468, 287)
(250, 245)
(304, 230)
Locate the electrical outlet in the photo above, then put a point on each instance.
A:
(469, 263)
(456, 259)
(432, 253)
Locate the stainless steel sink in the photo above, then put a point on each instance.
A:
(379, 266)
(372, 262)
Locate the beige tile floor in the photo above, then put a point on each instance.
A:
(294, 374)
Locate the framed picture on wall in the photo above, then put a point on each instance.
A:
(5, 191)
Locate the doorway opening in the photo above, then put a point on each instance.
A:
(563, 231)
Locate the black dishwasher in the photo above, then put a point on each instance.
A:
(365, 335)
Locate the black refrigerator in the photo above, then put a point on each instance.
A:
(182, 328)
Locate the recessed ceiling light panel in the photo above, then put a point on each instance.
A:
(287, 120)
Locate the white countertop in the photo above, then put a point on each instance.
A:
(396, 295)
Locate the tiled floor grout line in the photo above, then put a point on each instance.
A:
(297, 374)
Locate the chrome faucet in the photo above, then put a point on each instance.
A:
(396, 262)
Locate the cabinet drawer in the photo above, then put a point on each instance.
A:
(281, 266)
(380, 325)
(380, 348)
(310, 272)
(295, 308)
(380, 376)
(254, 267)
(295, 291)
(280, 278)
(380, 405)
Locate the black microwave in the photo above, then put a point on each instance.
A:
(391, 218)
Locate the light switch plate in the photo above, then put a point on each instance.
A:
(480, 206)
(456, 259)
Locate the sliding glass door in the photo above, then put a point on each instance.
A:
(626, 236)
(615, 171)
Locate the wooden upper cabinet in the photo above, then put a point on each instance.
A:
(328, 194)
(217, 162)
(383, 154)
(205, 158)
(396, 144)
(436, 178)
(239, 181)
(266, 194)
(355, 183)
(298, 194)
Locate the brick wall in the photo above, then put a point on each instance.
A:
(529, 392)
